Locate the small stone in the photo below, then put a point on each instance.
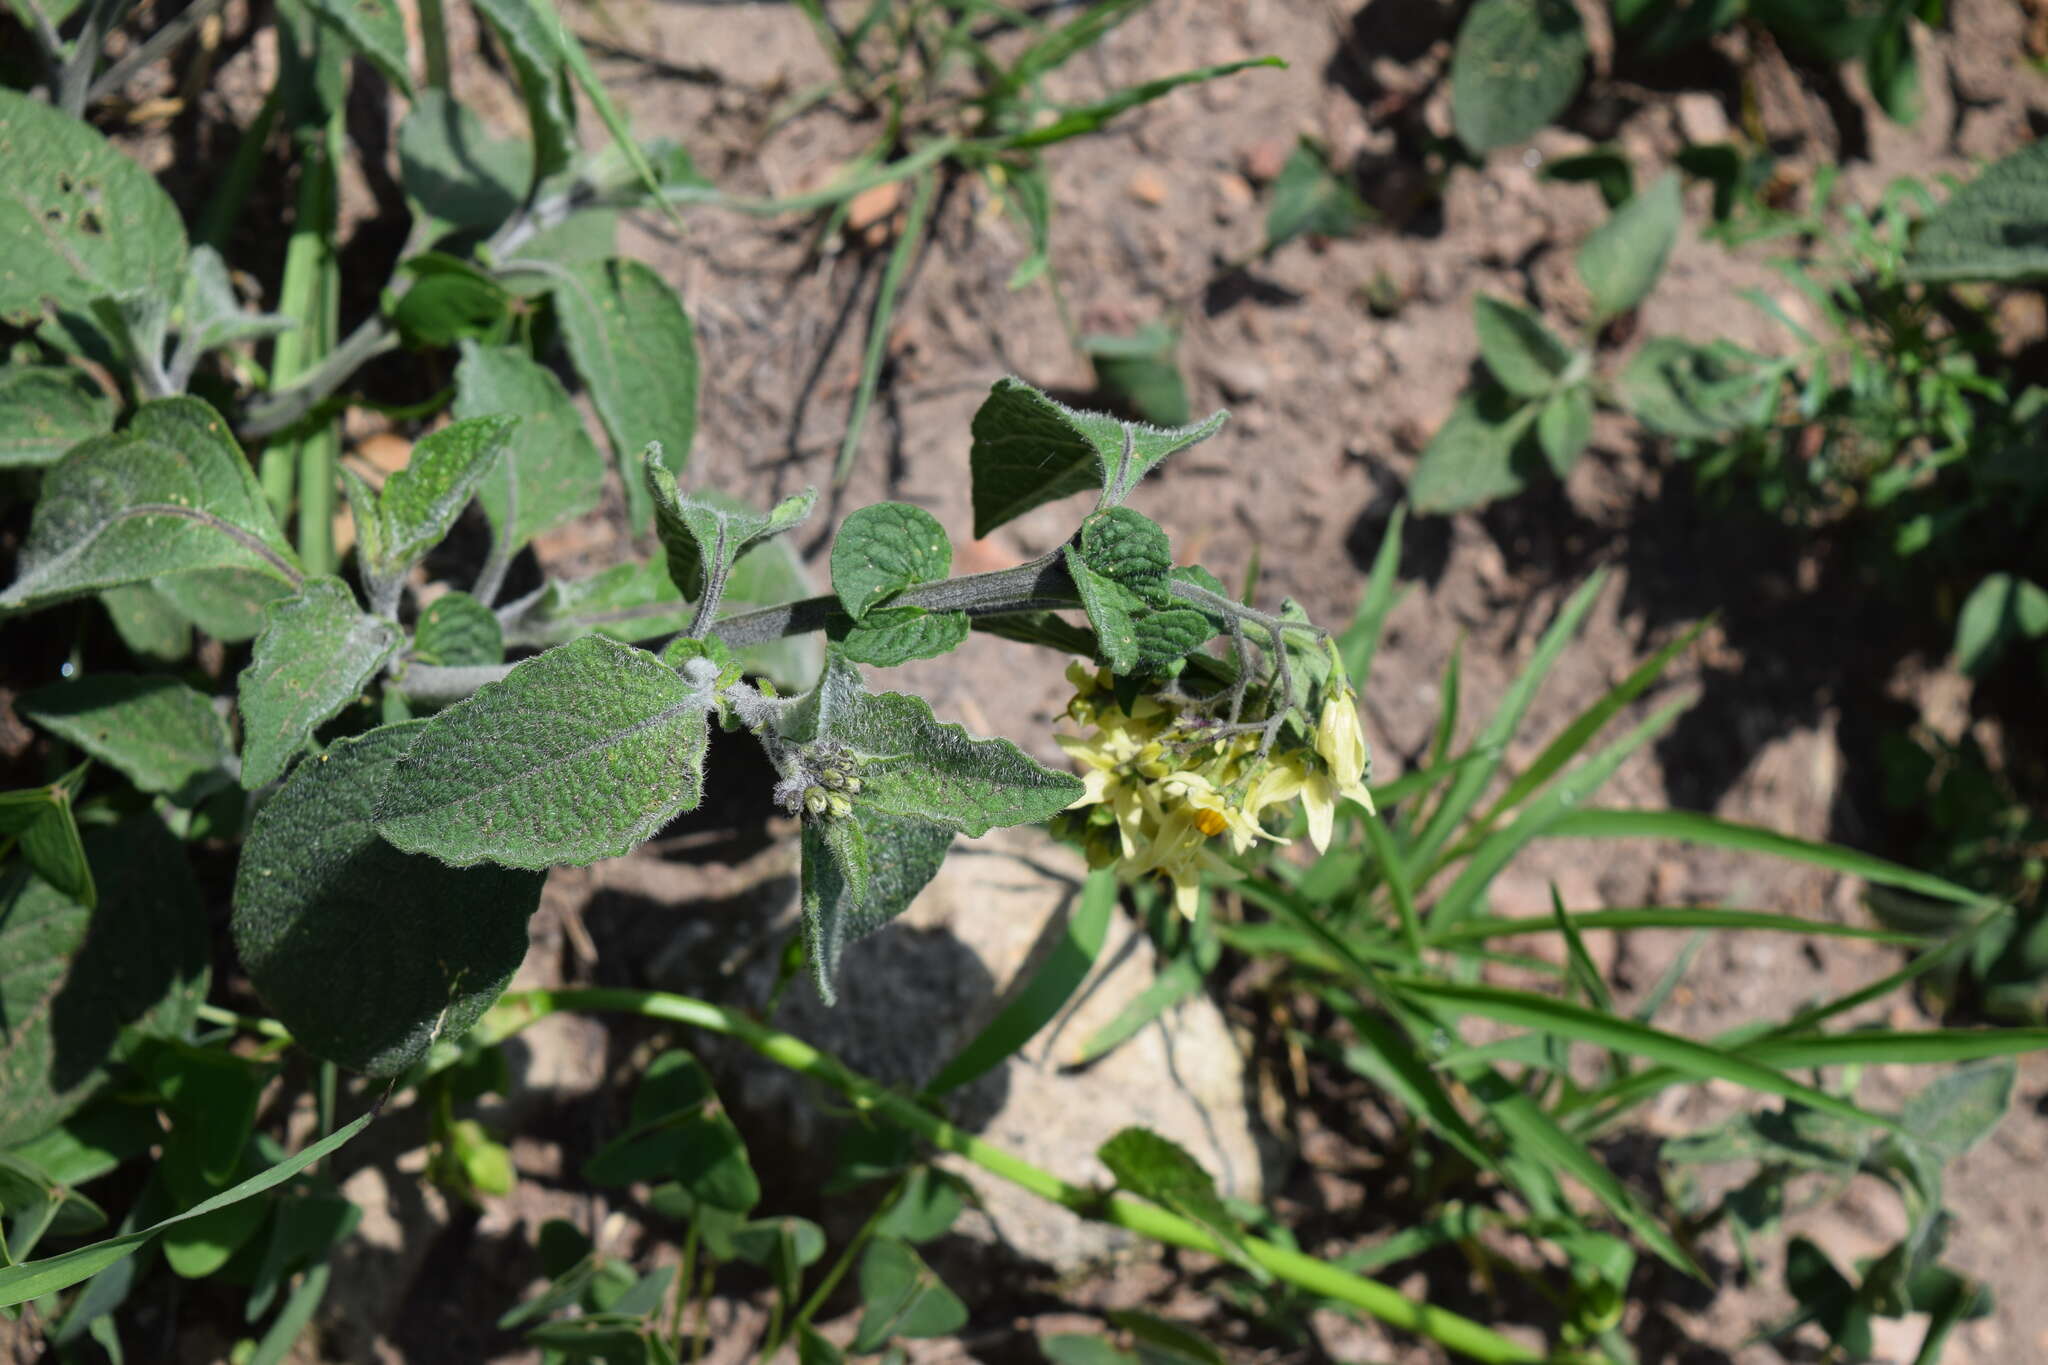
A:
(1234, 190)
(387, 452)
(1264, 159)
(1240, 380)
(1148, 187)
(1370, 365)
(1700, 117)
(868, 213)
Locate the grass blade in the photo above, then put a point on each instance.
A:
(1049, 990)
(1086, 118)
(1659, 917)
(1177, 981)
(33, 1279)
(1537, 1135)
(1542, 815)
(1471, 782)
(1361, 639)
(885, 313)
(1396, 872)
(1747, 1067)
(1387, 1058)
(1693, 828)
(1588, 723)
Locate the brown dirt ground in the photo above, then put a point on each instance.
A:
(1330, 404)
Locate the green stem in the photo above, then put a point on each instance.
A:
(226, 205)
(834, 1273)
(434, 38)
(1450, 1330)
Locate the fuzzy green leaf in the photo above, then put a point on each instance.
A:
(1474, 457)
(1697, 392)
(1030, 450)
(637, 353)
(458, 631)
(1163, 636)
(316, 652)
(1159, 1169)
(1140, 374)
(708, 535)
(81, 219)
(860, 872)
(883, 549)
(367, 954)
(679, 1132)
(450, 300)
(1992, 229)
(889, 636)
(158, 733)
(1524, 355)
(1516, 65)
(373, 28)
(456, 172)
(627, 602)
(1312, 196)
(1132, 637)
(227, 604)
(171, 493)
(154, 631)
(2000, 609)
(40, 822)
(72, 977)
(1564, 427)
(901, 1297)
(1622, 258)
(1128, 547)
(210, 313)
(1112, 611)
(577, 754)
(551, 472)
(914, 767)
(530, 38)
(419, 503)
(47, 409)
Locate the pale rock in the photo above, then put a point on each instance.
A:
(1148, 186)
(1240, 379)
(1700, 118)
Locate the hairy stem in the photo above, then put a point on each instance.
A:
(1457, 1333)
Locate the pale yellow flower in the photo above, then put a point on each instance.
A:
(1341, 744)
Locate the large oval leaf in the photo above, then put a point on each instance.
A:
(576, 755)
(72, 978)
(81, 220)
(368, 954)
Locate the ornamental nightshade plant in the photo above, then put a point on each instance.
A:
(382, 897)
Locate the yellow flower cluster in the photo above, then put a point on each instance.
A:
(1157, 791)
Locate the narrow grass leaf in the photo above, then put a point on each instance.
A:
(1658, 917)
(1587, 724)
(1694, 828)
(886, 299)
(32, 1280)
(1471, 782)
(1048, 991)
(1580, 1024)
(1361, 639)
